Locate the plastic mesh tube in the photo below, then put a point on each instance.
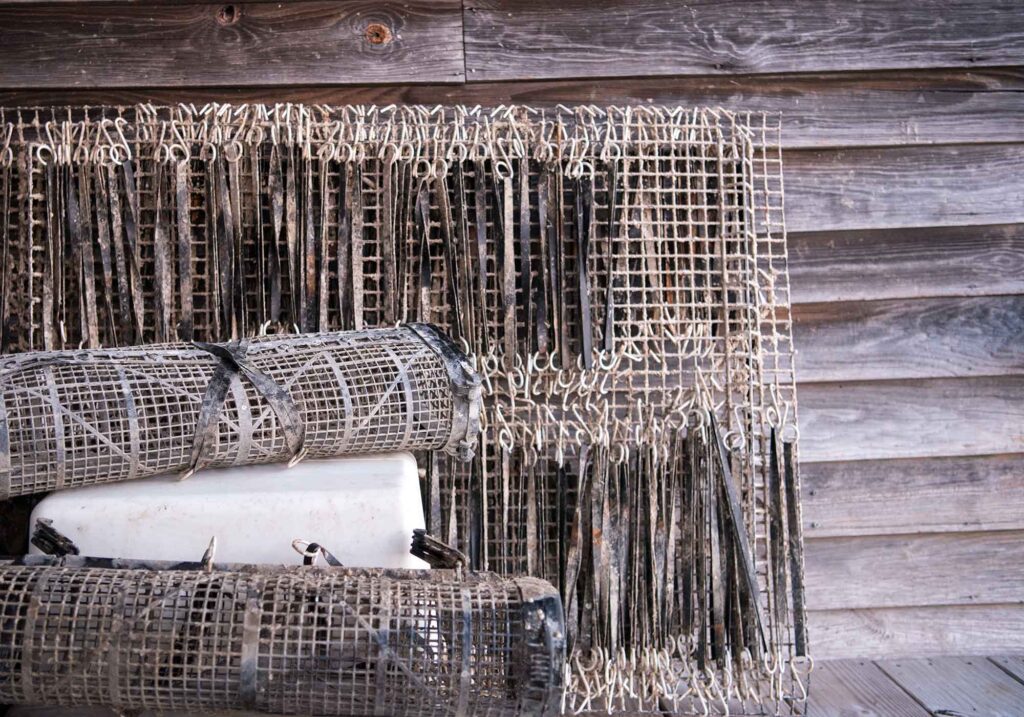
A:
(72, 418)
(320, 641)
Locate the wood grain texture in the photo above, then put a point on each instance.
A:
(858, 688)
(908, 571)
(916, 631)
(840, 110)
(909, 338)
(1012, 665)
(917, 495)
(958, 685)
(907, 263)
(911, 418)
(513, 39)
(271, 44)
(904, 187)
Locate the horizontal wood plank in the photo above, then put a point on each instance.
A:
(909, 338)
(916, 631)
(958, 685)
(841, 110)
(858, 688)
(917, 495)
(909, 571)
(514, 39)
(156, 44)
(911, 418)
(885, 188)
(907, 263)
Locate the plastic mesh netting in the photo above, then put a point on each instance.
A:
(72, 418)
(320, 641)
(618, 277)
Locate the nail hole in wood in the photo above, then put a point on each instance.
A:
(229, 14)
(377, 34)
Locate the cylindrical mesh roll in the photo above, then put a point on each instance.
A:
(71, 418)
(320, 641)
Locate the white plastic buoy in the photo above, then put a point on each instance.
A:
(362, 509)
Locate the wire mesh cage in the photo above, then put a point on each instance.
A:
(319, 641)
(73, 418)
(618, 277)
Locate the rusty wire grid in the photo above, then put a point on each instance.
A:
(319, 641)
(74, 418)
(617, 275)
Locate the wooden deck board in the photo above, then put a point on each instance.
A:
(959, 685)
(858, 688)
(1013, 665)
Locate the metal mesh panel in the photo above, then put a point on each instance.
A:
(314, 641)
(75, 418)
(618, 276)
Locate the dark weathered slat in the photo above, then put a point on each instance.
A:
(958, 685)
(858, 687)
(907, 571)
(909, 338)
(851, 109)
(916, 631)
(904, 187)
(1012, 665)
(516, 39)
(911, 419)
(916, 495)
(173, 44)
(907, 263)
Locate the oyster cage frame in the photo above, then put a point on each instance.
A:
(617, 275)
(150, 635)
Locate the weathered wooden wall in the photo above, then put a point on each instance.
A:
(904, 169)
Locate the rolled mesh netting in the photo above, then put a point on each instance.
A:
(320, 641)
(72, 418)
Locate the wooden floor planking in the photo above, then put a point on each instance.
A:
(1011, 664)
(963, 686)
(858, 688)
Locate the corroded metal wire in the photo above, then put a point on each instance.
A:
(75, 418)
(139, 636)
(618, 276)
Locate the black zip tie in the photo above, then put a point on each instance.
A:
(232, 362)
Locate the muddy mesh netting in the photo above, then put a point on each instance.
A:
(617, 275)
(73, 418)
(320, 641)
